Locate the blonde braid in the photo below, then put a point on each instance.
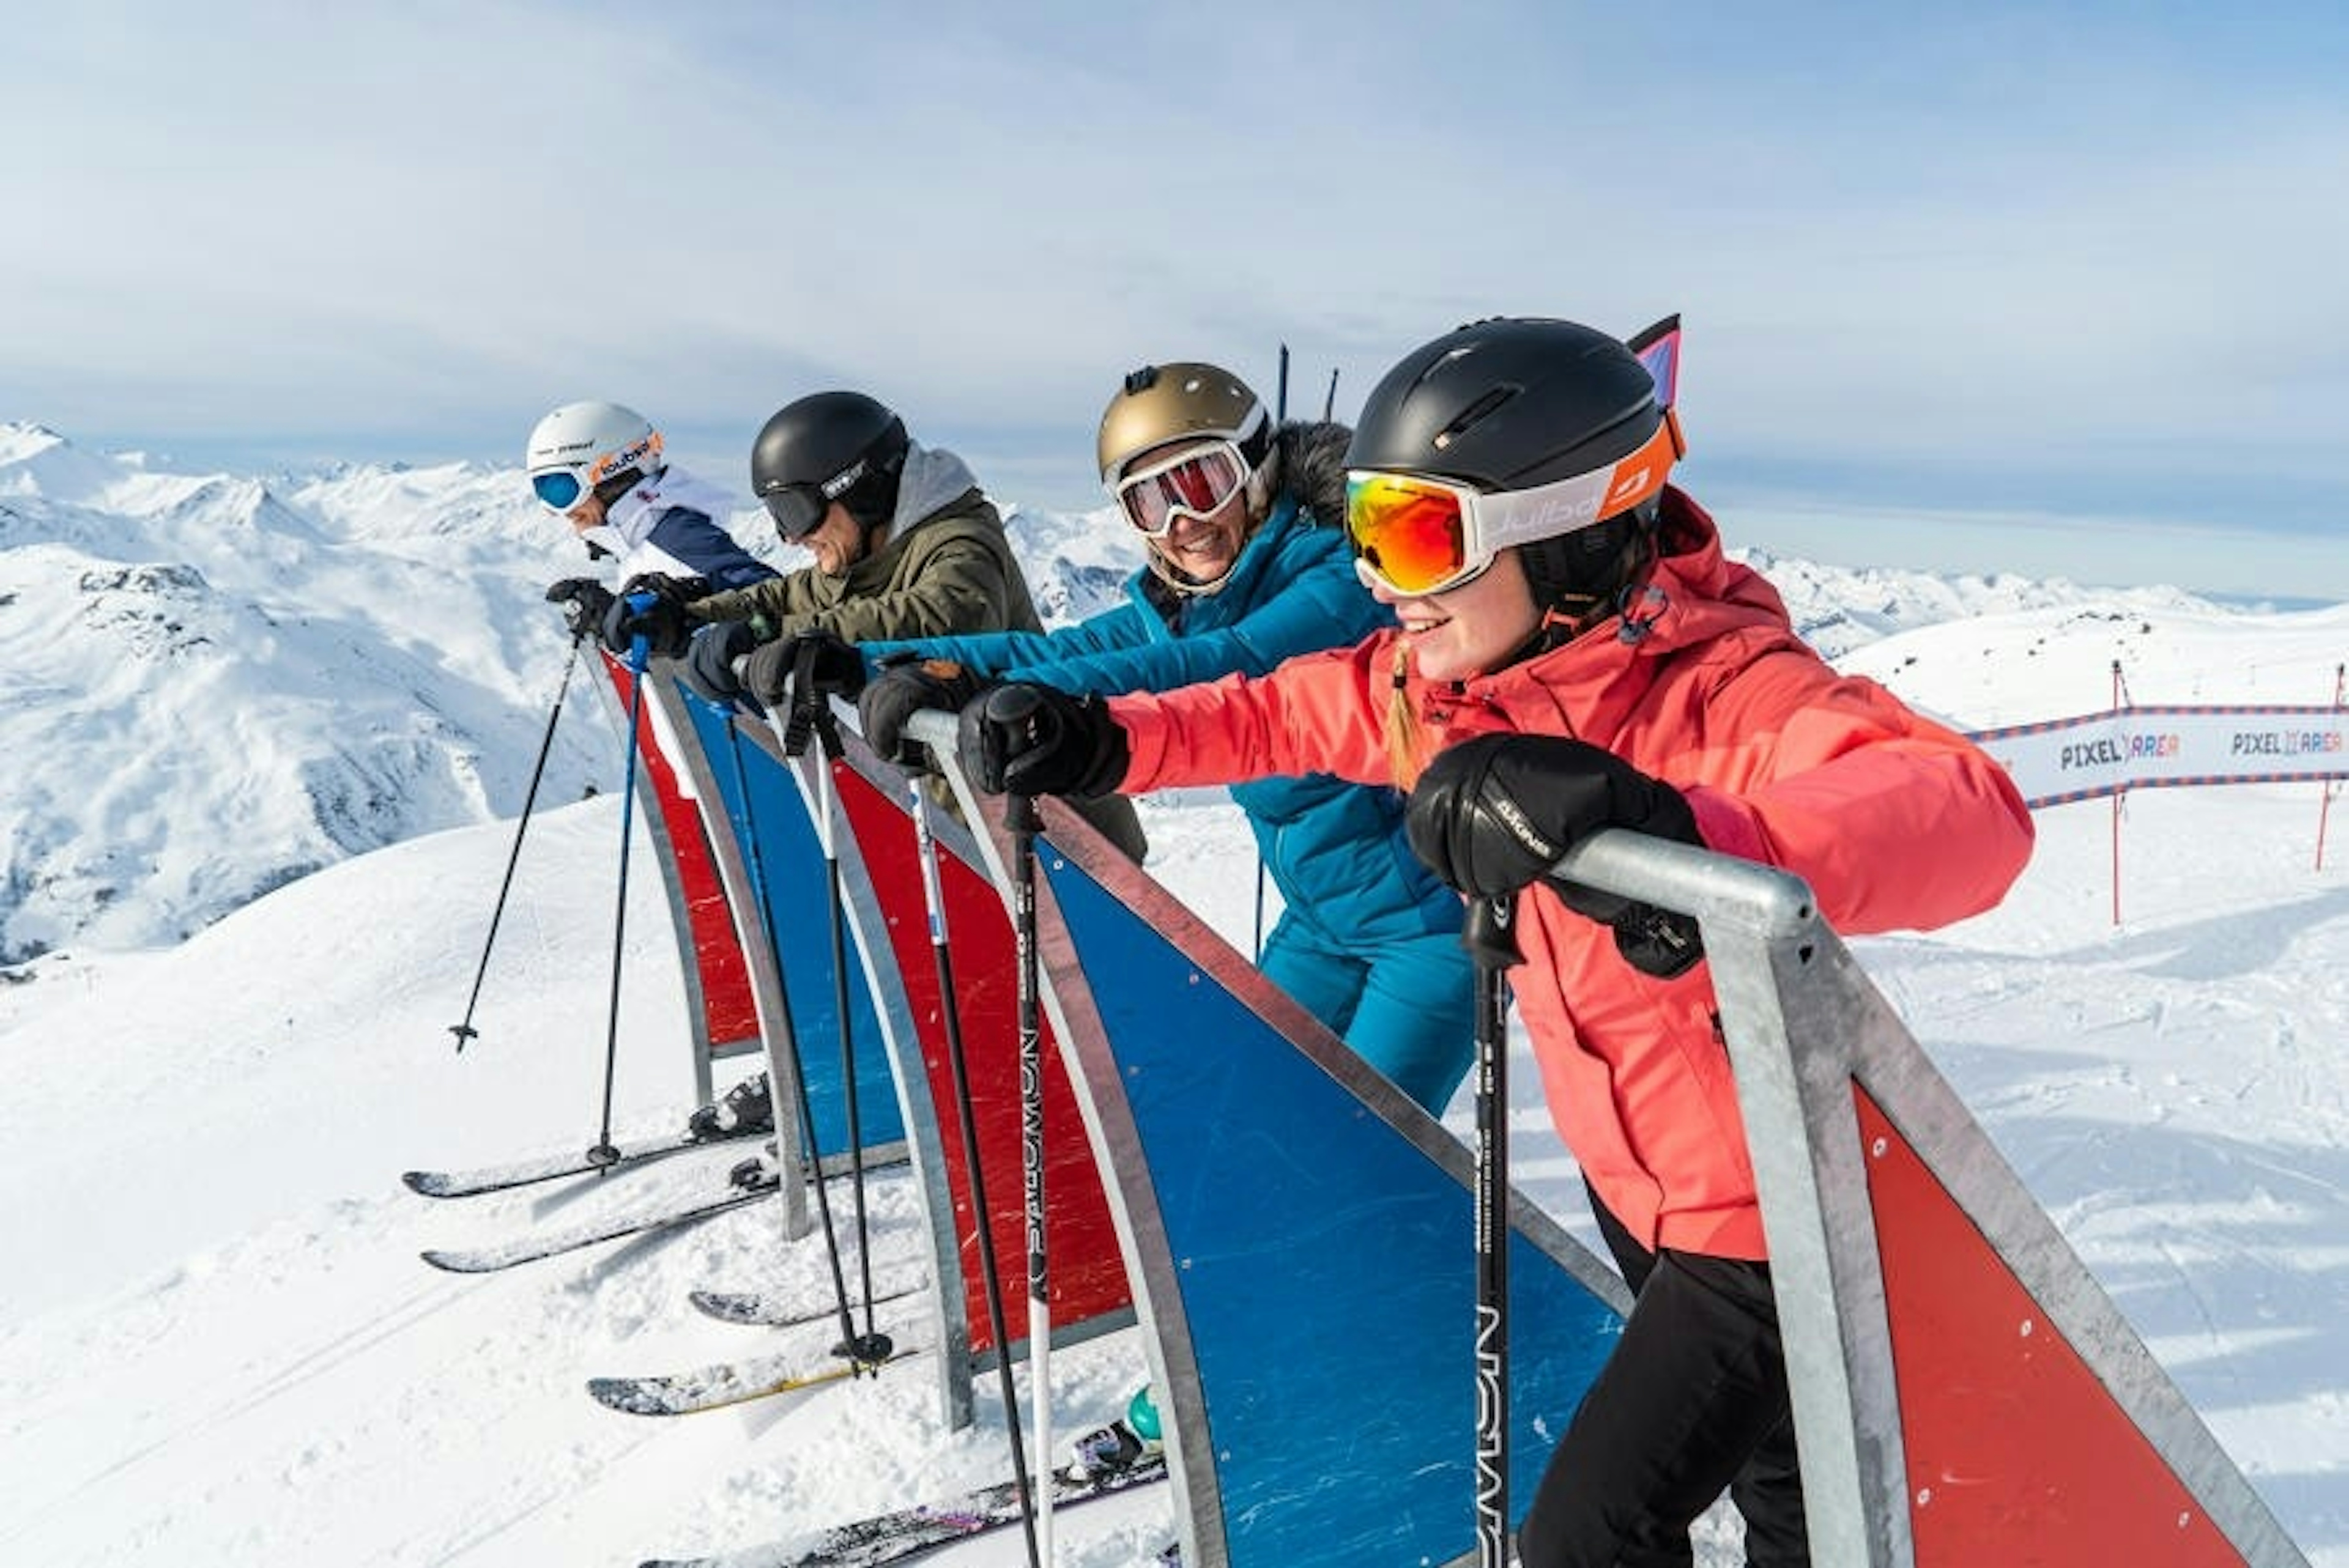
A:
(1406, 741)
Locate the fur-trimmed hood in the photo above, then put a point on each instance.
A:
(1307, 463)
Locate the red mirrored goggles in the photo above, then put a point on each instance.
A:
(1191, 484)
(1414, 535)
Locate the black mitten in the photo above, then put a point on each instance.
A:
(1029, 740)
(905, 686)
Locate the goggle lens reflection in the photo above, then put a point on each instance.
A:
(1411, 535)
(1196, 482)
(559, 488)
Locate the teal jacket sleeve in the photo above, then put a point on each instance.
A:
(1302, 597)
(992, 655)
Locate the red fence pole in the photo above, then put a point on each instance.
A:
(2325, 803)
(2120, 700)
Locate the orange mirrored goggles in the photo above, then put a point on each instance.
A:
(1414, 535)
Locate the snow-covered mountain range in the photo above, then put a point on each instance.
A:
(217, 1344)
(221, 683)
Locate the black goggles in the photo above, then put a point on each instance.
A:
(798, 510)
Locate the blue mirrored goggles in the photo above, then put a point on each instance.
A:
(558, 488)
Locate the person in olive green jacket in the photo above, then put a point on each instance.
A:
(906, 545)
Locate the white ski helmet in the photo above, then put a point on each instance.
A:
(584, 447)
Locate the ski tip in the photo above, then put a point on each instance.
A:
(431, 1184)
(451, 1263)
(731, 1305)
(627, 1396)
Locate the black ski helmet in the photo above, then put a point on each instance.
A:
(1513, 402)
(828, 447)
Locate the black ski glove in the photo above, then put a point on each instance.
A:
(584, 602)
(822, 658)
(708, 663)
(837, 667)
(1492, 814)
(666, 622)
(906, 685)
(1029, 740)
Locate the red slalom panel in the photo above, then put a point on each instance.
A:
(1087, 1274)
(2016, 1453)
(730, 1015)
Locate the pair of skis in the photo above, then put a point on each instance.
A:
(547, 1243)
(555, 1167)
(552, 1242)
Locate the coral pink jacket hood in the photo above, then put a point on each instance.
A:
(1894, 822)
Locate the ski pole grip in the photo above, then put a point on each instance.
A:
(1490, 932)
(640, 645)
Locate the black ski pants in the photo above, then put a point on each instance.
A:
(1692, 1400)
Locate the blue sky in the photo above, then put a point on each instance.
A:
(2044, 288)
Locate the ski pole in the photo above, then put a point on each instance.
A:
(1280, 417)
(1490, 933)
(990, 1274)
(1020, 816)
(813, 716)
(640, 650)
(873, 1348)
(465, 1031)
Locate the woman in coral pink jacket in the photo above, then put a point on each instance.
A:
(1576, 654)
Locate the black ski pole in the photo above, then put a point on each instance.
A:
(871, 1349)
(991, 1273)
(1490, 933)
(465, 1031)
(1330, 398)
(812, 717)
(1280, 417)
(1020, 816)
(640, 649)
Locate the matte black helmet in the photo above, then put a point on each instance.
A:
(1507, 404)
(828, 447)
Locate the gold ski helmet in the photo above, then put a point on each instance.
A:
(1177, 401)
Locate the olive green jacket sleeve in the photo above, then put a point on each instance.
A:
(950, 573)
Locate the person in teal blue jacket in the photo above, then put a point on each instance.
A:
(1247, 566)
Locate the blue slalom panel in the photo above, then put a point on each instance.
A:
(1325, 1265)
(780, 850)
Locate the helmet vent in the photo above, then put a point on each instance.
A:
(1474, 414)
